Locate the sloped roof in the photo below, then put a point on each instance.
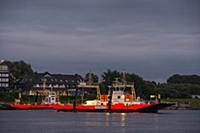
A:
(52, 78)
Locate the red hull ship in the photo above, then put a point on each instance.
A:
(151, 108)
(115, 101)
(32, 106)
(50, 102)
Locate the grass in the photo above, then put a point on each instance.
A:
(193, 102)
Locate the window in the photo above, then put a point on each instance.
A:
(4, 75)
(4, 79)
(4, 68)
(118, 97)
(6, 85)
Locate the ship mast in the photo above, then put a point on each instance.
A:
(44, 86)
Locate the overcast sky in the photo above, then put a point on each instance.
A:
(152, 38)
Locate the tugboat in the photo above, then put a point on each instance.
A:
(117, 100)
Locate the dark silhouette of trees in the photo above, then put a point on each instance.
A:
(91, 77)
(185, 79)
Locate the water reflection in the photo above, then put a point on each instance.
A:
(123, 119)
(118, 119)
(107, 122)
(51, 122)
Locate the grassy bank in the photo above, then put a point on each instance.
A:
(192, 102)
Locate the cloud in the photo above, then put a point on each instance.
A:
(153, 38)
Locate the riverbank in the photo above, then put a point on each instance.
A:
(180, 104)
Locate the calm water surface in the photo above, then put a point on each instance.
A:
(49, 121)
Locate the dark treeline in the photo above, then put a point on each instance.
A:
(177, 86)
(180, 89)
(187, 79)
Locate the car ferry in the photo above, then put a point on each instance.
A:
(117, 100)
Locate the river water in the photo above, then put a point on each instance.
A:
(49, 121)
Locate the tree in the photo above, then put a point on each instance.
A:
(191, 79)
(178, 90)
(19, 69)
(142, 88)
(91, 78)
(109, 76)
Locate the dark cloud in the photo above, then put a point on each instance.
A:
(150, 37)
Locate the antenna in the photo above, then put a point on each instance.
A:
(124, 77)
(44, 85)
(90, 78)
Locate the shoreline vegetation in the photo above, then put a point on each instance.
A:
(183, 103)
(179, 89)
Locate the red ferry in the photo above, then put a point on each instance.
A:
(116, 101)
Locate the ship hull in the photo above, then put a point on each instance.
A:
(121, 108)
(29, 106)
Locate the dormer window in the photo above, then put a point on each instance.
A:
(47, 75)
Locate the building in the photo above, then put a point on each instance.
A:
(4, 76)
(196, 96)
(42, 83)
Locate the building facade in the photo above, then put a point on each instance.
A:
(4, 76)
(42, 83)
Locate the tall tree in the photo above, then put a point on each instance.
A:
(19, 68)
(91, 78)
(109, 76)
(143, 89)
